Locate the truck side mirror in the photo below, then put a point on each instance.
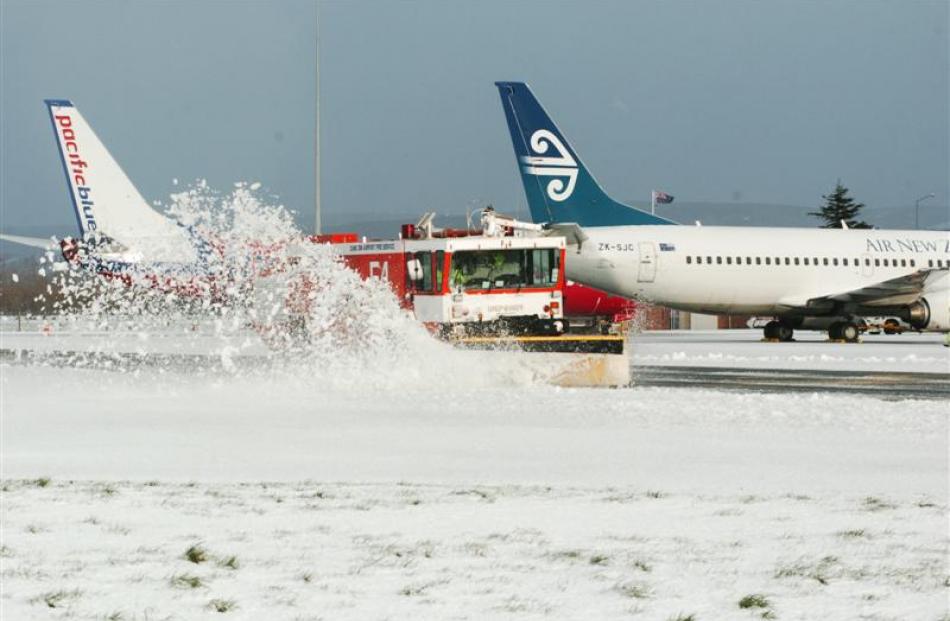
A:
(414, 269)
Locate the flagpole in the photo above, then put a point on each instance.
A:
(653, 203)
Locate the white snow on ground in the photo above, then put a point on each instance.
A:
(910, 352)
(340, 499)
(409, 551)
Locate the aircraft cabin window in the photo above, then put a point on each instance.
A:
(728, 260)
(768, 260)
(930, 263)
(885, 262)
(689, 259)
(718, 260)
(738, 260)
(796, 260)
(903, 262)
(758, 260)
(709, 260)
(805, 260)
(877, 263)
(844, 262)
(835, 261)
(867, 261)
(787, 261)
(913, 263)
(816, 260)
(825, 261)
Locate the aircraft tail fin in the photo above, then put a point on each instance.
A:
(558, 185)
(104, 199)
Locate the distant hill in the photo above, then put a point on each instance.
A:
(762, 214)
(709, 213)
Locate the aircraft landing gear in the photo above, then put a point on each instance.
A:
(776, 330)
(846, 331)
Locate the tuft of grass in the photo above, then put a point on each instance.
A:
(655, 494)
(196, 554)
(599, 559)
(42, 482)
(222, 605)
(412, 590)
(682, 617)
(186, 581)
(854, 533)
(817, 572)
(571, 555)
(872, 503)
(642, 566)
(230, 562)
(118, 615)
(307, 577)
(754, 601)
(482, 494)
(631, 589)
(56, 599)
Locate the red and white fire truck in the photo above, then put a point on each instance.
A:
(507, 277)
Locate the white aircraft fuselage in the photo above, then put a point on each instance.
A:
(760, 271)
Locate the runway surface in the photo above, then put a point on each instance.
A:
(886, 385)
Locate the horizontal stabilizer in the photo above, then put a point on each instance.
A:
(37, 242)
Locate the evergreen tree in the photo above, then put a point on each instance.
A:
(839, 206)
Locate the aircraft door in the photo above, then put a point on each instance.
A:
(647, 262)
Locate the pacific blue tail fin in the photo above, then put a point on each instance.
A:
(558, 185)
(105, 200)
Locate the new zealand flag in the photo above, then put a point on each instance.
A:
(662, 198)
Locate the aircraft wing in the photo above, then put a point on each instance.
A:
(37, 242)
(901, 290)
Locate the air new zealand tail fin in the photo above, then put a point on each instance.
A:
(558, 185)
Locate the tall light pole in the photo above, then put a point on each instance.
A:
(317, 224)
(917, 209)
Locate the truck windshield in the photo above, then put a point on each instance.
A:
(505, 269)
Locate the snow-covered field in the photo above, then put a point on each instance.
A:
(387, 495)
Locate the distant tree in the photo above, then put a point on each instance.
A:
(839, 206)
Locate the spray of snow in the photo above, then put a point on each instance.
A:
(261, 288)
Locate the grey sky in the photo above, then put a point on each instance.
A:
(710, 101)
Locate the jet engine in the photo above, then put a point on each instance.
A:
(931, 312)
